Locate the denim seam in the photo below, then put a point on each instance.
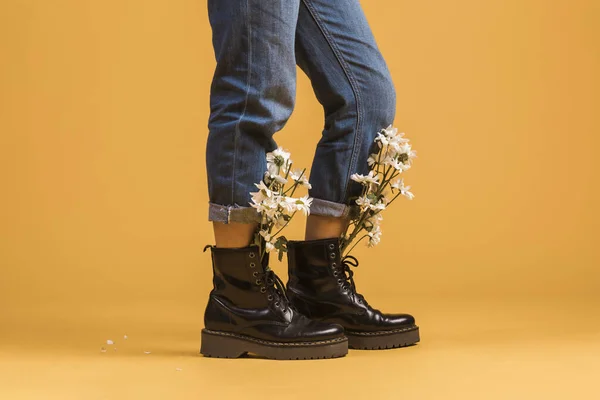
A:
(239, 121)
(353, 85)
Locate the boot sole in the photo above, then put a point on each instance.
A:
(383, 340)
(229, 345)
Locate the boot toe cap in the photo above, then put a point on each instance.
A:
(324, 331)
(399, 320)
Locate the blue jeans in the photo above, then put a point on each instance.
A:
(258, 44)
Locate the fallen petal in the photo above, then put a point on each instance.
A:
(110, 342)
(125, 337)
(178, 369)
(102, 350)
(147, 352)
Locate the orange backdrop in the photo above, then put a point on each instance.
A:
(103, 115)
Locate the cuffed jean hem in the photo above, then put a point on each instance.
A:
(235, 213)
(249, 215)
(328, 208)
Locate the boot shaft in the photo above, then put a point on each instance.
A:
(237, 276)
(313, 266)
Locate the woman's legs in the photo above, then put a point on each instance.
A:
(336, 49)
(252, 97)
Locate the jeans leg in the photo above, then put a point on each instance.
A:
(336, 49)
(252, 96)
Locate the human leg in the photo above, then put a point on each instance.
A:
(252, 96)
(336, 49)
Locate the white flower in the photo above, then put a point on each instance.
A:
(404, 190)
(397, 164)
(390, 137)
(374, 236)
(272, 170)
(269, 177)
(373, 159)
(391, 131)
(363, 202)
(371, 178)
(375, 219)
(269, 206)
(300, 177)
(406, 154)
(280, 158)
(269, 247)
(367, 203)
(287, 205)
(298, 204)
(263, 193)
(279, 179)
(304, 203)
(280, 221)
(265, 234)
(382, 139)
(379, 206)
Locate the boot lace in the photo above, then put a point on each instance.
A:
(345, 276)
(271, 284)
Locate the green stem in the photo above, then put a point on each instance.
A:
(296, 184)
(395, 197)
(355, 231)
(379, 157)
(286, 224)
(352, 248)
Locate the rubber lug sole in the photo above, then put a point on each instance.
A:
(383, 340)
(228, 345)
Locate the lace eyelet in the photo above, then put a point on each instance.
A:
(269, 297)
(276, 304)
(333, 265)
(255, 274)
(340, 281)
(263, 289)
(332, 256)
(331, 246)
(335, 273)
(258, 282)
(251, 255)
(252, 265)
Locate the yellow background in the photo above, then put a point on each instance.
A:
(103, 114)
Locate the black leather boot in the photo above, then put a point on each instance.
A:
(248, 312)
(321, 287)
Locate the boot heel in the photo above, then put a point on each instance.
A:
(221, 346)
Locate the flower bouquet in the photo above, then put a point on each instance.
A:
(380, 188)
(276, 204)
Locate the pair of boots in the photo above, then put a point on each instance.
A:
(320, 314)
